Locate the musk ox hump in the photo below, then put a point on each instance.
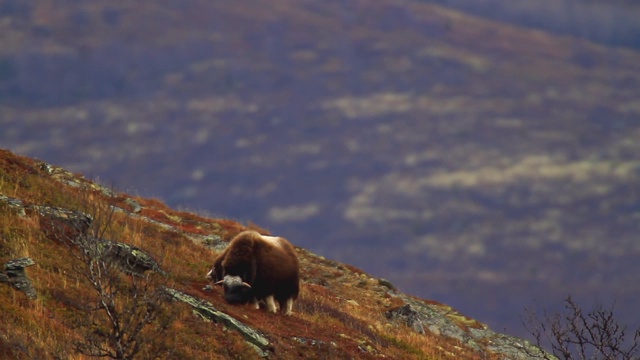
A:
(274, 240)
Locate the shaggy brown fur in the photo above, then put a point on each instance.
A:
(257, 268)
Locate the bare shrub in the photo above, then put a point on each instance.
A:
(126, 312)
(577, 334)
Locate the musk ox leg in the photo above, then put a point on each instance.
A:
(288, 308)
(271, 304)
(256, 304)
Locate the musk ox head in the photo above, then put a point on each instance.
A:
(236, 291)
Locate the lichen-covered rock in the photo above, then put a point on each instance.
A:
(13, 204)
(131, 259)
(136, 207)
(407, 315)
(70, 179)
(208, 311)
(62, 225)
(215, 242)
(422, 317)
(386, 283)
(510, 347)
(57, 223)
(15, 275)
(444, 321)
(19, 264)
(72, 228)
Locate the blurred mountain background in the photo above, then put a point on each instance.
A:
(479, 153)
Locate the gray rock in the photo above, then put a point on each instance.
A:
(15, 275)
(208, 311)
(386, 283)
(13, 204)
(62, 224)
(19, 264)
(310, 342)
(215, 242)
(130, 258)
(134, 204)
(70, 179)
(72, 227)
(422, 317)
(51, 217)
(48, 168)
(510, 347)
(407, 315)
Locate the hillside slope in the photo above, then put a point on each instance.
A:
(342, 312)
(611, 23)
(480, 164)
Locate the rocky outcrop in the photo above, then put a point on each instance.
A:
(57, 223)
(60, 224)
(72, 228)
(444, 321)
(15, 276)
(68, 178)
(15, 205)
(131, 259)
(207, 311)
(424, 318)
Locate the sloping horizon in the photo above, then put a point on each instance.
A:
(488, 166)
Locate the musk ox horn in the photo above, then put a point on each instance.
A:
(221, 282)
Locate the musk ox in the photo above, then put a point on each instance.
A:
(256, 268)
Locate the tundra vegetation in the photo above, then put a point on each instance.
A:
(91, 303)
(102, 260)
(472, 143)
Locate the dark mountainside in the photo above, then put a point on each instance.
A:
(611, 23)
(69, 245)
(482, 165)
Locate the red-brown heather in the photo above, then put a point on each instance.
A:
(339, 313)
(472, 161)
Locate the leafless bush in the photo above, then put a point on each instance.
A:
(576, 334)
(126, 313)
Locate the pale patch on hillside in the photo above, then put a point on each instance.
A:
(535, 202)
(380, 104)
(216, 104)
(293, 213)
(535, 167)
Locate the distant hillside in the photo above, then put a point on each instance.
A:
(484, 165)
(611, 23)
(47, 214)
